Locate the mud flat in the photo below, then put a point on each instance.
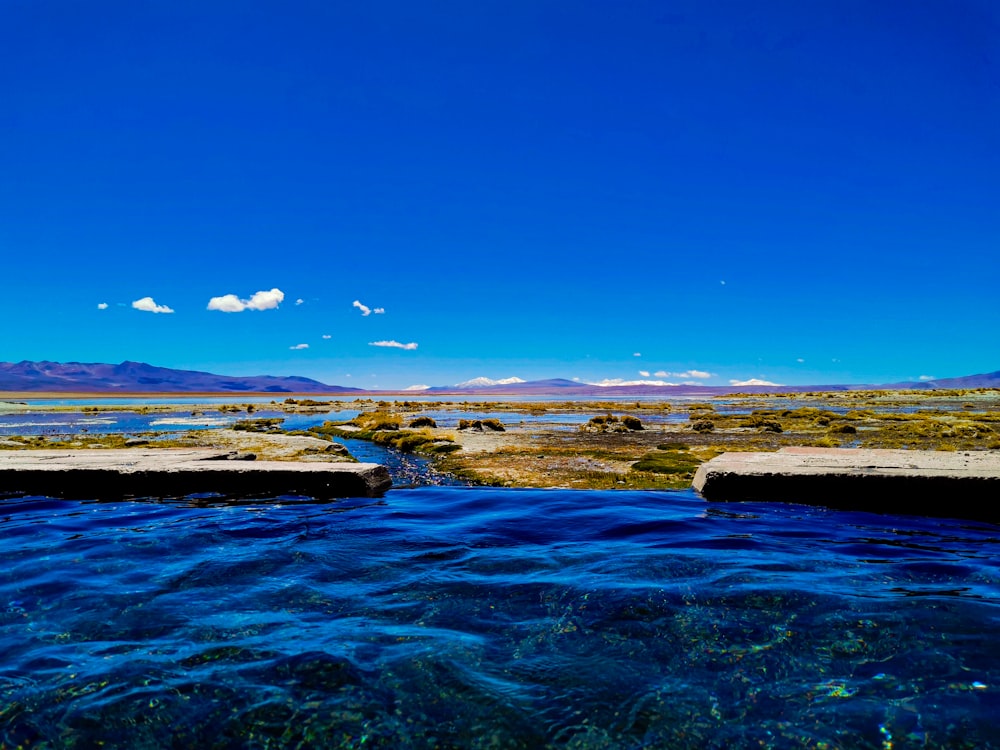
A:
(963, 484)
(174, 473)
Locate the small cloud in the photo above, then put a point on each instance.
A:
(636, 354)
(365, 310)
(644, 373)
(926, 377)
(102, 305)
(146, 304)
(576, 380)
(299, 301)
(662, 374)
(394, 345)
(416, 388)
(262, 300)
(299, 346)
(227, 303)
(327, 336)
(800, 360)
(753, 381)
(723, 283)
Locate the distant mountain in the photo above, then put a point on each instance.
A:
(481, 382)
(516, 387)
(137, 377)
(986, 380)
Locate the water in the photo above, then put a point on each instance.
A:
(135, 423)
(470, 617)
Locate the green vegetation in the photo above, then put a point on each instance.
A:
(611, 423)
(263, 424)
(668, 462)
(305, 402)
(763, 422)
(481, 425)
(843, 429)
(632, 423)
(377, 421)
(703, 425)
(384, 428)
(415, 441)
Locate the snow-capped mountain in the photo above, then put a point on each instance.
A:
(484, 382)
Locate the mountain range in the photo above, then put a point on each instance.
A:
(138, 377)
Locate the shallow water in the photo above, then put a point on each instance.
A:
(470, 617)
(134, 423)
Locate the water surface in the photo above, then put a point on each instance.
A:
(469, 617)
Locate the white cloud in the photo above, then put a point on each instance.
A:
(102, 305)
(146, 304)
(662, 374)
(416, 388)
(259, 301)
(636, 354)
(365, 310)
(800, 360)
(927, 377)
(227, 303)
(299, 346)
(299, 301)
(266, 300)
(752, 381)
(394, 345)
(644, 373)
(327, 336)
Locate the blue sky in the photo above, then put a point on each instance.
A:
(797, 192)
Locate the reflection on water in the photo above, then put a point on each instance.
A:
(470, 617)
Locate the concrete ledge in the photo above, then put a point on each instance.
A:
(962, 484)
(113, 473)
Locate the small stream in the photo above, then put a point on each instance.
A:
(406, 469)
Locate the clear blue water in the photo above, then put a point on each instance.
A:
(470, 617)
(129, 423)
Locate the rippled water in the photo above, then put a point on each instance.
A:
(467, 617)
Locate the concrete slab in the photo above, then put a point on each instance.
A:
(958, 484)
(173, 473)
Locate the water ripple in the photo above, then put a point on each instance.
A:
(464, 617)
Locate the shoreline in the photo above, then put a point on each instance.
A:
(572, 443)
